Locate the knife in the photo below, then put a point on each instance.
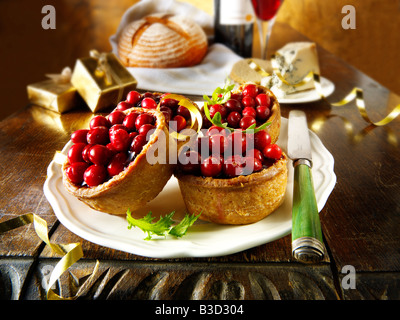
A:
(307, 243)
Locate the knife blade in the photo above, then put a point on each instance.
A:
(307, 243)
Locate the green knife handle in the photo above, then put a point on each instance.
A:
(307, 243)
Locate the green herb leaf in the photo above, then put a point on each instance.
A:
(162, 227)
(181, 228)
(159, 228)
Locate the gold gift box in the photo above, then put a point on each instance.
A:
(101, 80)
(59, 97)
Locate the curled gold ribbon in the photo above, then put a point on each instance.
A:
(355, 94)
(71, 252)
(195, 114)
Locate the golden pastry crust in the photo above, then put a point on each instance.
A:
(162, 41)
(139, 183)
(275, 118)
(239, 200)
(242, 73)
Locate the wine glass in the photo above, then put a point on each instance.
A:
(265, 11)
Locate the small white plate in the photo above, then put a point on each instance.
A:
(203, 239)
(327, 88)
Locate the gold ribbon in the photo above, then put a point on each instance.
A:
(195, 114)
(71, 252)
(355, 94)
(103, 69)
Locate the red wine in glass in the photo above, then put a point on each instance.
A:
(266, 9)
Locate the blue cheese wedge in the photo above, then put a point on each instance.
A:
(294, 61)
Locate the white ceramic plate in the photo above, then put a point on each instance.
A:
(203, 239)
(327, 87)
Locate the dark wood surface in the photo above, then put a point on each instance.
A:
(360, 219)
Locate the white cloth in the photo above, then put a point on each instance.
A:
(197, 80)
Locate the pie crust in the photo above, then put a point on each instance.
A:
(239, 200)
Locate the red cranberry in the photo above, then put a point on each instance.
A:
(237, 142)
(148, 103)
(137, 143)
(206, 123)
(85, 153)
(246, 122)
(98, 135)
(233, 166)
(144, 129)
(75, 153)
(262, 139)
(142, 119)
(189, 162)
(79, 136)
(123, 105)
(218, 143)
(132, 135)
(249, 102)
(170, 103)
(99, 121)
(95, 175)
(217, 130)
(119, 139)
(233, 105)
(211, 166)
(180, 123)
(233, 119)
(218, 108)
(117, 164)
(111, 149)
(237, 96)
(184, 112)
(256, 154)
(99, 154)
(263, 113)
(250, 90)
(167, 110)
(273, 151)
(129, 121)
(75, 172)
(249, 111)
(116, 117)
(263, 99)
(251, 165)
(203, 146)
(133, 97)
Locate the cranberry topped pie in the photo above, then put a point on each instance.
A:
(110, 165)
(236, 173)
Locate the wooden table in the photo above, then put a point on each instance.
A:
(360, 219)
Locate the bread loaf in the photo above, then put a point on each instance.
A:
(162, 41)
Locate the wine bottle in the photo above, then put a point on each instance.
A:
(233, 25)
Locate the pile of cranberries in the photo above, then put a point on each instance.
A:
(107, 147)
(178, 117)
(224, 154)
(250, 106)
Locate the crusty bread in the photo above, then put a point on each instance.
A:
(162, 41)
(242, 73)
